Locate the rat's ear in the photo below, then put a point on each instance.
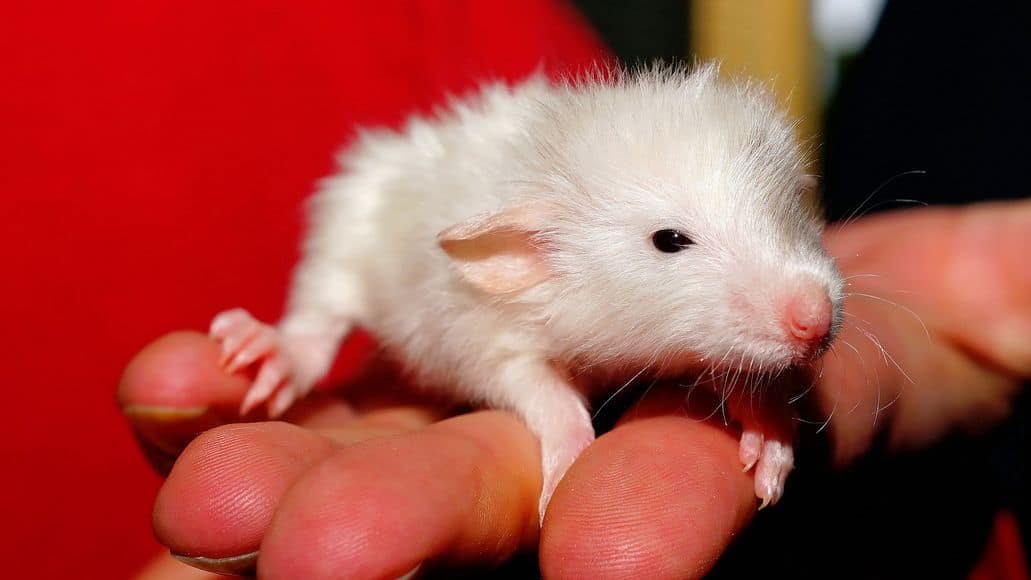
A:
(499, 253)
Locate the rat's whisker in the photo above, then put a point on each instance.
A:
(898, 392)
(854, 276)
(927, 333)
(812, 383)
(886, 355)
(866, 373)
(830, 416)
(858, 319)
(823, 424)
(890, 201)
(620, 390)
(637, 405)
(852, 216)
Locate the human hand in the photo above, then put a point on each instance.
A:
(374, 490)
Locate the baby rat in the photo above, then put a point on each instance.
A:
(534, 243)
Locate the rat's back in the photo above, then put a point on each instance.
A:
(371, 254)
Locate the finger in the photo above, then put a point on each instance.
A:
(179, 371)
(660, 496)
(165, 567)
(215, 506)
(174, 389)
(897, 380)
(463, 491)
(989, 282)
(937, 326)
(964, 269)
(219, 497)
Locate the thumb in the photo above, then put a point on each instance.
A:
(175, 389)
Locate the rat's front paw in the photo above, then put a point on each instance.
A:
(558, 452)
(767, 435)
(773, 461)
(246, 341)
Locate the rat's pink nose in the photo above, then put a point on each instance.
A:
(807, 319)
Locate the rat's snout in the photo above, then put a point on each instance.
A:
(807, 317)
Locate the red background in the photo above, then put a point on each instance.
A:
(153, 156)
(153, 159)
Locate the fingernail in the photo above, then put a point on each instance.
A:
(159, 459)
(164, 431)
(163, 414)
(243, 565)
(168, 428)
(411, 574)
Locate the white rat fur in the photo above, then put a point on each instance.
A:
(507, 246)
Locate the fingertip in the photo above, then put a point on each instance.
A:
(172, 390)
(179, 371)
(167, 567)
(221, 494)
(658, 497)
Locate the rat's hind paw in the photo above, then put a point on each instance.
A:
(246, 341)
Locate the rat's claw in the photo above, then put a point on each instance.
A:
(750, 448)
(778, 458)
(282, 401)
(225, 321)
(234, 329)
(272, 374)
(263, 343)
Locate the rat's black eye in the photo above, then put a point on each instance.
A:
(670, 241)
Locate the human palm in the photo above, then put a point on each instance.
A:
(937, 335)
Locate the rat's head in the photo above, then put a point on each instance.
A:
(668, 226)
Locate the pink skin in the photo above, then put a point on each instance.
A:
(288, 367)
(246, 341)
(766, 443)
(808, 317)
